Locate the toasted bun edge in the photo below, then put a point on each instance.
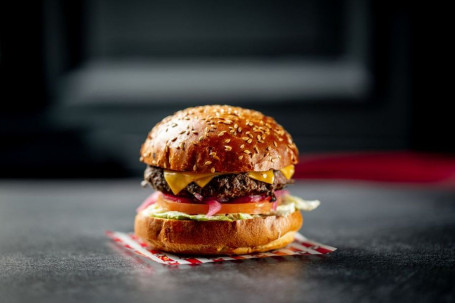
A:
(218, 237)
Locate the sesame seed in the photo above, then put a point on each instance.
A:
(212, 170)
(240, 157)
(174, 124)
(182, 132)
(227, 140)
(227, 147)
(208, 162)
(256, 150)
(236, 125)
(194, 167)
(274, 143)
(173, 139)
(239, 129)
(221, 133)
(195, 132)
(246, 151)
(216, 157)
(259, 137)
(264, 175)
(242, 146)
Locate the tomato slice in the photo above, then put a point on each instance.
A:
(226, 208)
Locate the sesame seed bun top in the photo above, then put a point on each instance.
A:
(219, 138)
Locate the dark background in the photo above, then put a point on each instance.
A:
(82, 82)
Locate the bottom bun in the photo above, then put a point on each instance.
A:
(218, 237)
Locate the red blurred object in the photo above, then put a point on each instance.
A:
(400, 166)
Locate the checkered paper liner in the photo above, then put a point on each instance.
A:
(300, 246)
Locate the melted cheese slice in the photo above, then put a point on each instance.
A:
(269, 177)
(179, 180)
(288, 171)
(264, 176)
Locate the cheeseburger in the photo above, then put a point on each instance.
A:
(220, 174)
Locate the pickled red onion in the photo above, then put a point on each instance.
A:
(250, 199)
(214, 207)
(274, 205)
(245, 199)
(198, 196)
(178, 199)
(281, 192)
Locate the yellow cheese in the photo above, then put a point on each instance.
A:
(179, 180)
(264, 176)
(288, 171)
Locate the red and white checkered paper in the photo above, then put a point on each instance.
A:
(300, 246)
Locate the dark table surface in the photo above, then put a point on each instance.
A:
(395, 243)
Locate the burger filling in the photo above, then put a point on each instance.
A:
(223, 187)
(220, 196)
(288, 204)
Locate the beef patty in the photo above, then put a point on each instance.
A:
(222, 187)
